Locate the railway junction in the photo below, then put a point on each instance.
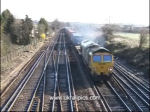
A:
(56, 79)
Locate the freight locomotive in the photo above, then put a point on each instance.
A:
(99, 60)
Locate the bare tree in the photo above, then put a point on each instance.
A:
(143, 38)
(109, 29)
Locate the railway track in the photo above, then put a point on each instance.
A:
(10, 88)
(132, 76)
(21, 98)
(136, 90)
(125, 92)
(119, 95)
(137, 100)
(48, 86)
(111, 100)
(63, 87)
(21, 95)
(49, 93)
(37, 101)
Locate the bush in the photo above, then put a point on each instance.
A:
(134, 56)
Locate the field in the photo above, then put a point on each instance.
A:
(131, 39)
(126, 46)
(132, 36)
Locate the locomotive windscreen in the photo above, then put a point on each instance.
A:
(107, 58)
(96, 58)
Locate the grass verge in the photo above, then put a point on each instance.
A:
(139, 58)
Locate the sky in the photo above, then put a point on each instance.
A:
(88, 11)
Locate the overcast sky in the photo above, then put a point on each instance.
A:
(93, 11)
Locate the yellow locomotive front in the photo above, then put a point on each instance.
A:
(102, 63)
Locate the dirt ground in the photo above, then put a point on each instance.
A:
(15, 66)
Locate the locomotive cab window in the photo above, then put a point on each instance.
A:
(96, 58)
(107, 58)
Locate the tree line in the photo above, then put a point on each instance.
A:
(20, 30)
(109, 29)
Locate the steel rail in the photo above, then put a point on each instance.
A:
(54, 65)
(143, 100)
(134, 78)
(60, 100)
(106, 106)
(43, 75)
(13, 98)
(118, 96)
(68, 78)
(43, 92)
(56, 79)
(136, 87)
(127, 69)
(129, 95)
(76, 104)
(34, 94)
(11, 83)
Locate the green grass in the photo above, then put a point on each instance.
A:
(130, 39)
(133, 36)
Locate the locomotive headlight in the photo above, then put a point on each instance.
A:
(110, 69)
